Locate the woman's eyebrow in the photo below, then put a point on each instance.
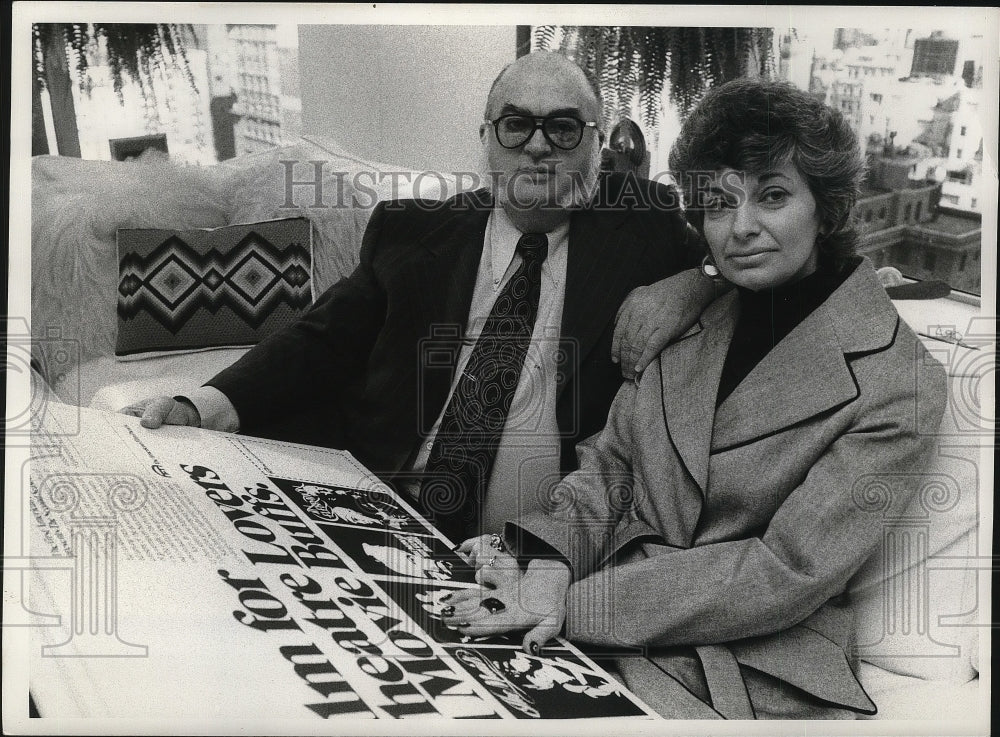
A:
(772, 175)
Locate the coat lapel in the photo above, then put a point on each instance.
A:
(445, 271)
(805, 374)
(808, 373)
(690, 370)
(596, 281)
(448, 260)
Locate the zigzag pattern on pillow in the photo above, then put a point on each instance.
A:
(200, 289)
(175, 280)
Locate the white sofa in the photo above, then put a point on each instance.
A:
(925, 600)
(920, 654)
(77, 207)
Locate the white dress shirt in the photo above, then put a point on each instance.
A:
(527, 459)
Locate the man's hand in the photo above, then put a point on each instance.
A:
(652, 316)
(164, 411)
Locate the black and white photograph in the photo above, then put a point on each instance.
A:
(560, 684)
(395, 554)
(368, 508)
(639, 361)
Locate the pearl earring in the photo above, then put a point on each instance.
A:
(709, 269)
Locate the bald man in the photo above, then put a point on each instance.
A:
(381, 359)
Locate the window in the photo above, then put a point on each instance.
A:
(868, 216)
(878, 98)
(973, 203)
(961, 263)
(958, 153)
(881, 213)
(930, 260)
(906, 212)
(951, 199)
(957, 175)
(920, 206)
(961, 131)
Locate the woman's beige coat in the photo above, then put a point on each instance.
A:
(742, 526)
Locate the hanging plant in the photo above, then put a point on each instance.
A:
(632, 62)
(134, 50)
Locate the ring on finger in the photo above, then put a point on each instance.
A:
(492, 561)
(496, 542)
(492, 605)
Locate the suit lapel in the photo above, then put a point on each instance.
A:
(596, 281)
(690, 370)
(448, 261)
(445, 270)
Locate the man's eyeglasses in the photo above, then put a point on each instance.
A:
(562, 131)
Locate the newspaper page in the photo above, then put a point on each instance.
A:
(244, 578)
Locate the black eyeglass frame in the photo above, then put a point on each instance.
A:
(539, 121)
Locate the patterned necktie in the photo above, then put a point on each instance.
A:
(461, 459)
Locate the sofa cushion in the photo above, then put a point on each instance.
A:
(907, 697)
(206, 288)
(917, 601)
(335, 189)
(77, 206)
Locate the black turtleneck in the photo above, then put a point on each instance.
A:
(767, 316)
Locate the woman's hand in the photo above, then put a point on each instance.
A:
(486, 550)
(510, 600)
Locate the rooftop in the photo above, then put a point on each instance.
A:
(953, 224)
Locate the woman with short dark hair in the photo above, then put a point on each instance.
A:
(717, 520)
(748, 124)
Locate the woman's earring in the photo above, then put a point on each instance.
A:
(709, 269)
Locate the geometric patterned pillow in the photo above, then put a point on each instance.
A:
(209, 288)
